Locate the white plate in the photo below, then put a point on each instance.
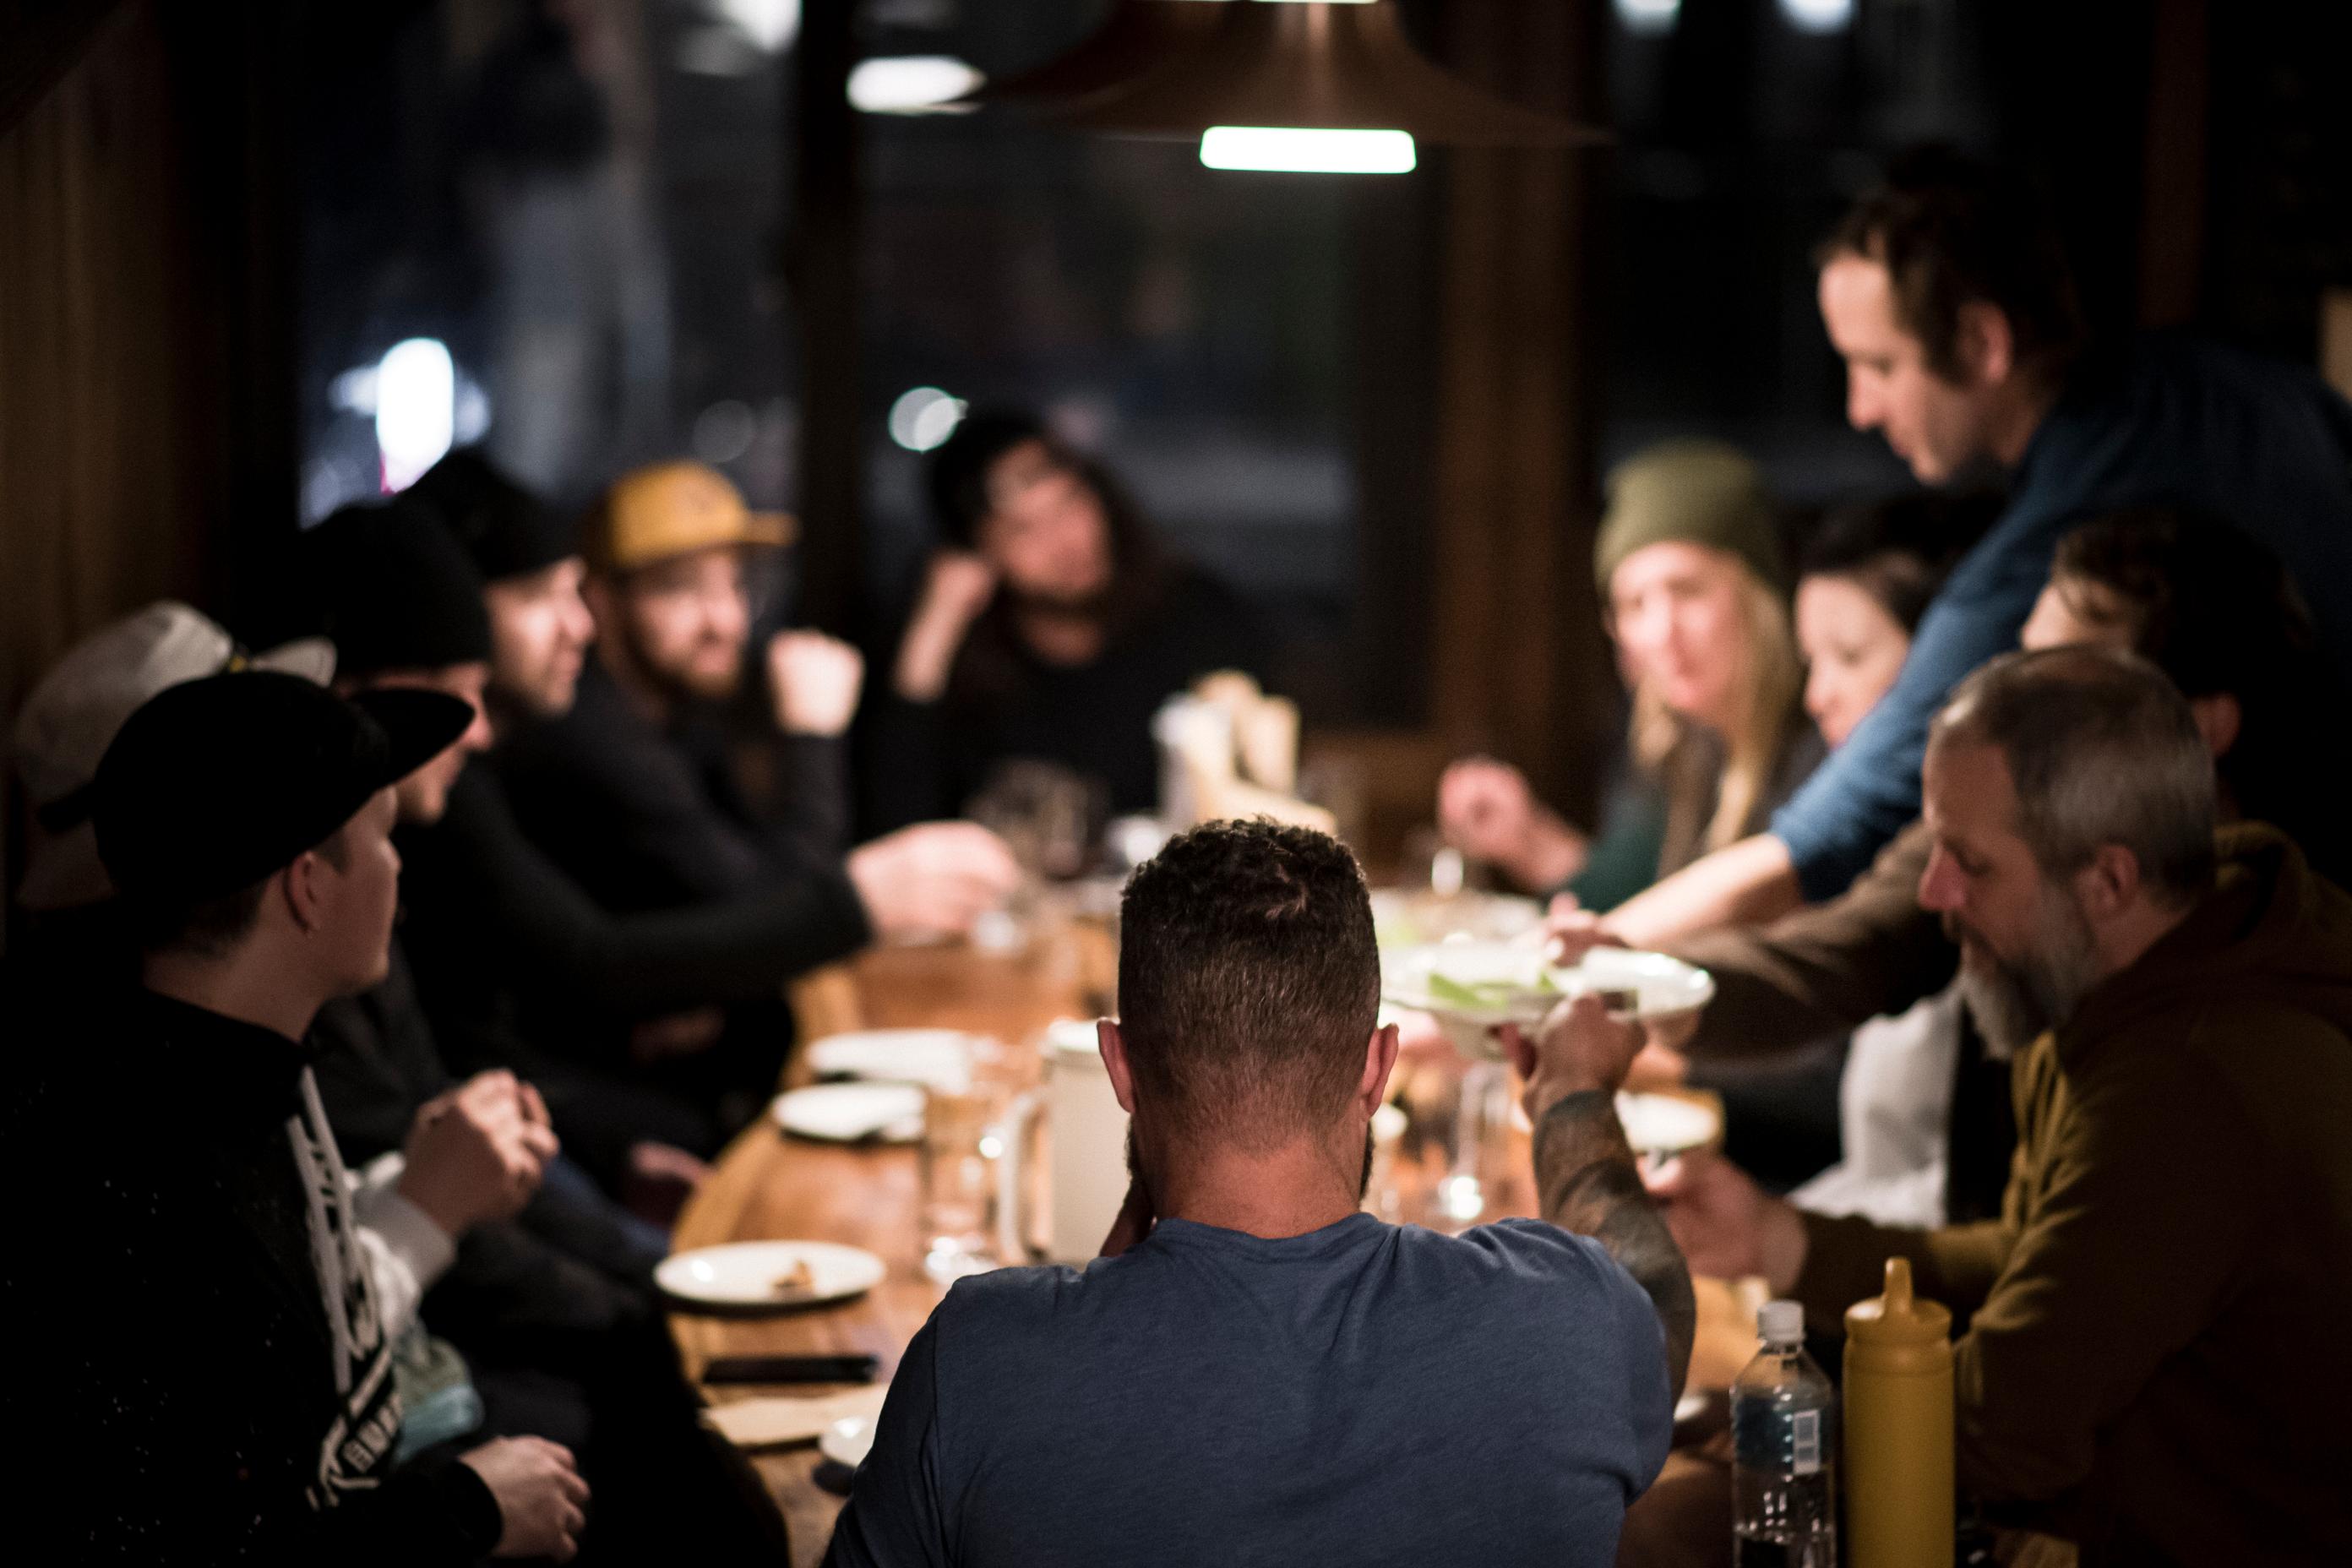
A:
(742, 1275)
(1401, 919)
(1662, 986)
(936, 1059)
(1666, 1123)
(853, 1113)
(848, 1441)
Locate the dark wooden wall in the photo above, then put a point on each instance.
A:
(146, 429)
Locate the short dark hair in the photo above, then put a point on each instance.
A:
(1952, 231)
(2100, 749)
(1248, 980)
(1899, 549)
(211, 928)
(2212, 606)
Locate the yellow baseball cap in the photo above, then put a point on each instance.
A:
(664, 509)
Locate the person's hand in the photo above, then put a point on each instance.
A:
(1580, 1049)
(813, 681)
(1573, 931)
(1727, 1226)
(932, 879)
(1486, 810)
(543, 1503)
(476, 1152)
(676, 1034)
(1658, 1067)
(1134, 1222)
(958, 588)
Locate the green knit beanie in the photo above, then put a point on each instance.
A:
(1690, 491)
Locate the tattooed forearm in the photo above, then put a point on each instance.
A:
(1587, 1182)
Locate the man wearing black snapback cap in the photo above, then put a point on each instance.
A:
(176, 1136)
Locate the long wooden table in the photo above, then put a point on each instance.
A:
(769, 1186)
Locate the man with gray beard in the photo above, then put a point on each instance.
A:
(2173, 1262)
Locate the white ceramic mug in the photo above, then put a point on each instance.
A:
(1085, 1137)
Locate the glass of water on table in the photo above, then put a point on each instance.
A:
(961, 1153)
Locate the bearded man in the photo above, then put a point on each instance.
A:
(2167, 1275)
(645, 792)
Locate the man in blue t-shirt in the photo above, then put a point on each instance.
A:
(1256, 1371)
(1948, 295)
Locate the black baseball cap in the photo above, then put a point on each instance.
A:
(393, 590)
(507, 529)
(213, 785)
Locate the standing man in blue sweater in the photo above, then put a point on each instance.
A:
(1948, 295)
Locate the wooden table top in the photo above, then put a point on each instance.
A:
(767, 1185)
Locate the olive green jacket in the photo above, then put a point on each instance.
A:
(2160, 1347)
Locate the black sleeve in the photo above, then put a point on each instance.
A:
(810, 805)
(481, 880)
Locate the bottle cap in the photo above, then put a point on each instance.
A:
(1898, 1317)
(1781, 1323)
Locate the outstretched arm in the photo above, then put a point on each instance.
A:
(1586, 1177)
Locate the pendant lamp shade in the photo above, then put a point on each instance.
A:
(1138, 37)
(1309, 66)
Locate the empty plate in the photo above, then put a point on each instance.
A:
(744, 1276)
(854, 1112)
(936, 1059)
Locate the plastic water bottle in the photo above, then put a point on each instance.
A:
(1784, 1451)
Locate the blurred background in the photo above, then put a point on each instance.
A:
(287, 254)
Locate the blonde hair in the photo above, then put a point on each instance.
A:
(1766, 683)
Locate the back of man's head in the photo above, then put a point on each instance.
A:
(2102, 750)
(1952, 231)
(1249, 983)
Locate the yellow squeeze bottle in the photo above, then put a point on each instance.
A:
(1898, 1429)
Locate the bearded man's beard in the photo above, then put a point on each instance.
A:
(690, 682)
(2015, 1000)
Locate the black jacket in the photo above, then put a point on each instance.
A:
(653, 816)
(498, 920)
(539, 1289)
(202, 1367)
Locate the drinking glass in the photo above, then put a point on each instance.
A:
(962, 1140)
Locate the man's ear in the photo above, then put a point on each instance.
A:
(603, 604)
(2219, 718)
(1379, 1060)
(1987, 343)
(2109, 884)
(301, 886)
(1113, 1047)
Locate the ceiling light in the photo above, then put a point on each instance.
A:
(912, 84)
(1818, 16)
(1313, 66)
(1649, 19)
(1292, 149)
